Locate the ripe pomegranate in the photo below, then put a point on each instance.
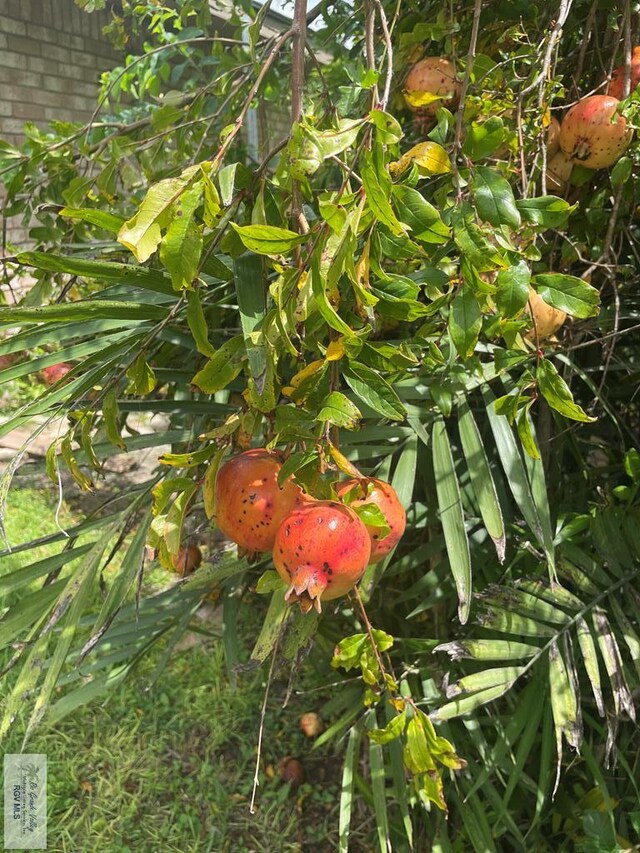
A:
(311, 724)
(250, 505)
(553, 137)
(616, 86)
(372, 491)
(321, 550)
(436, 76)
(559, 169)
(592, 135)
(54, 373)
(547, 320)
(188, 560)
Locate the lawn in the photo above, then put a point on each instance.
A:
(171, 768)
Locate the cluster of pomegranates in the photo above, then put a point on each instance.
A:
(320, 548)
(591, 133)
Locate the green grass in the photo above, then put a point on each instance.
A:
(171, 768)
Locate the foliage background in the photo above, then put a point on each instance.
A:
(513, 598)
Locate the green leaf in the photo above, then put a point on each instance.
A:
(375, 391)
(494, 198)
(267, 239)
(493, 649)
(483, 138)
(481, 478)
(227, 180)
(568, 293)
(513, 465)
(512, 288)
(101, 218)
(142, 233)
(557, 394)
(389, 128)
(181, 246)
(421, 216)
(377, 197)
(142, 379)
(122, 273)
(198, 324)
(222, 368)
(339, 410)
(622, 171)
(465, 321)
(86, 309)
(349, 774)
(391, 731)
(372, 517)
(110, 414)
(546, 211)
(248, 277)
(452, 517)
(271, 627)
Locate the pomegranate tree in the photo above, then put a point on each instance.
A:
(592, 134)
(250, 504)
(321, 551)
(370, 491)
(432, 76)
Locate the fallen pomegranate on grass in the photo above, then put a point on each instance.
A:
(592, 134)
(311, 724)
(370, 491)
(250, 505)
(321, 551)
(291, 770)
(54, 373)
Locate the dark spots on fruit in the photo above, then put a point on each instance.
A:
(268, 505)
(287, 531)
(281, 551)
(244, 512)
(376, 535)
(325, 566)
(264, 479)
(253, 497)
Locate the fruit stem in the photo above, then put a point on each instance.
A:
(368, 626)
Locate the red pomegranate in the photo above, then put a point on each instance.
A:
(592, 134)
(250, 505)
(616, 86)
(321, 550)
(54, 373)
(436, 76)
(372, 491)
(188, 560)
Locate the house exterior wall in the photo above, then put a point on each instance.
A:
(51, 57)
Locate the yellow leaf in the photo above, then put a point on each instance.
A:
(416, 98)
(429, 157)
(335, 350)
(343, 463)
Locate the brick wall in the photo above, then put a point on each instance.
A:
(51, 57)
